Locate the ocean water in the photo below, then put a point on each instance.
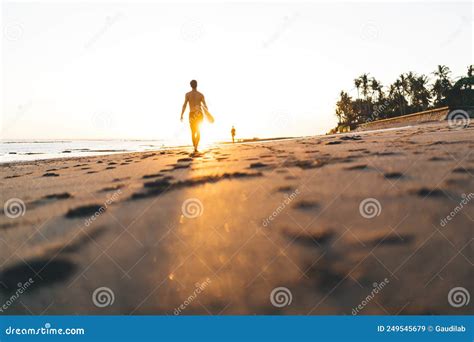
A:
(27, 150)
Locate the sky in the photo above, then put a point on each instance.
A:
(105, 70)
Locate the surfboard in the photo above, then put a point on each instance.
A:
(208, 115)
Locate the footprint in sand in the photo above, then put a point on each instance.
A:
(112, 188)
(84, 211)
(59, 196)
(181, 166)
(159, 186)
(463, 170)
(153, 175)
(306, 205)
(43, 272)
(357, 167)
(8, 225)
(309, 238)
(391, 239)
(393, 175)
(437, 159)
(285, 188)
(433, 193)
(120, 179)
(257, 165)
(50, 174)
(456, 181)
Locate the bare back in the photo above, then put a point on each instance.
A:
(195, 99)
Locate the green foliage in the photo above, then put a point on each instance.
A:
(409, 93)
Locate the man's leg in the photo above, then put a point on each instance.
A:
(193, 135)
(198, 137)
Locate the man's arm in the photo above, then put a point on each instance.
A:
(184, 106)
(203, 101)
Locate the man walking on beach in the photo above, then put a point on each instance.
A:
(232, 132)
(197, 104)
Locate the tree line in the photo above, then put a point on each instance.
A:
(410, 93)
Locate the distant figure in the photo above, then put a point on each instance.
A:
(232, 131)
(197, 104)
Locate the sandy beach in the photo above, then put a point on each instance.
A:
(330, 219)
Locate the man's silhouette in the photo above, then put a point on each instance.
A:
(232, 132)
(197, 104)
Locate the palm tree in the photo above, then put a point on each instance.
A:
(344, 111)
(441, 85)
(376, 87)
(405, 90)
(365, 85)
(357, 83)
(420, 95)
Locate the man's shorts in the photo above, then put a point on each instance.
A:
(195, 119)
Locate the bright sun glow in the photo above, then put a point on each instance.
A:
(120, 70)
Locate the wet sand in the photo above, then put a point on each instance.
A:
(328, 218)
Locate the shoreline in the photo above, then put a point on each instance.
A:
(107, 153)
